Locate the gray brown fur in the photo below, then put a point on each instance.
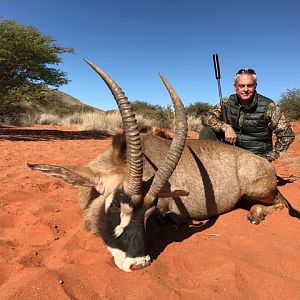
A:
(215, 175)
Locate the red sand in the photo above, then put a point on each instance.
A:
(46, 253)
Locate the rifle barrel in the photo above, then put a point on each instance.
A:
(218, 74)
(220, 90)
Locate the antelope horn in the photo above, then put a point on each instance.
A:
(134, 148)
(170, 162)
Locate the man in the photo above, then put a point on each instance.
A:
(248, 120)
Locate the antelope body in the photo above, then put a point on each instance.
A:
(142, 173)
(216, 176)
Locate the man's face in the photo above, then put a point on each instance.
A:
(245, 87)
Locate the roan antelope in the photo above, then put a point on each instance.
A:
(143, 173)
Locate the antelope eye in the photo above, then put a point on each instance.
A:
(115, 205)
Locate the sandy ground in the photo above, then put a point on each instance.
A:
(46, 253)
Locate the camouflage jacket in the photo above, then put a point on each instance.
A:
(275, 119)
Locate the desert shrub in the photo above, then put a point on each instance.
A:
(11, 115)
(73, 119)
(110, 121)
(194, 123)
(28, 119)
(101, 121)
(49, 119)
(98, 120)
(144, 122)
(197, 109)
(162, 116)
(290, 104)
(113, 120)
(142, 107)
(93, 121)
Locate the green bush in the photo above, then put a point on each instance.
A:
(290, 104)
(163, 116)
(197, 109)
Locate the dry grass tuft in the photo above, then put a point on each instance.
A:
(106, 121)
(194, 123)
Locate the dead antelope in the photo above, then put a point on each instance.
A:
(196, 180)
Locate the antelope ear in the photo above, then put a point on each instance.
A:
(75, 175)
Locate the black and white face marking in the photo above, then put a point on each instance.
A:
(124, 233)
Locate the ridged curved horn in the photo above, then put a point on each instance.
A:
(170, 162)
(134, 148)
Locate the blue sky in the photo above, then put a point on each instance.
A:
(132, 40)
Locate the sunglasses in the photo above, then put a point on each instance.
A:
(246, 71)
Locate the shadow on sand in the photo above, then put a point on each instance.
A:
(159, 237)
(37, 135)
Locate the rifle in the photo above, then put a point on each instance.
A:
(218, 77)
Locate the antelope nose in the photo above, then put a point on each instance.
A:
(140, 265)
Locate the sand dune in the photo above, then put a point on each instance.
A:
(46, 253)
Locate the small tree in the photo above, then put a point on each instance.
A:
(25, 59)
(25, 56)
(290, 103)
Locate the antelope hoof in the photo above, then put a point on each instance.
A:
(256, 214)
(252, 221)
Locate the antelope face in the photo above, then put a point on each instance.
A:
(124, 232)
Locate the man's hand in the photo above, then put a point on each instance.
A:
(230, 135)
